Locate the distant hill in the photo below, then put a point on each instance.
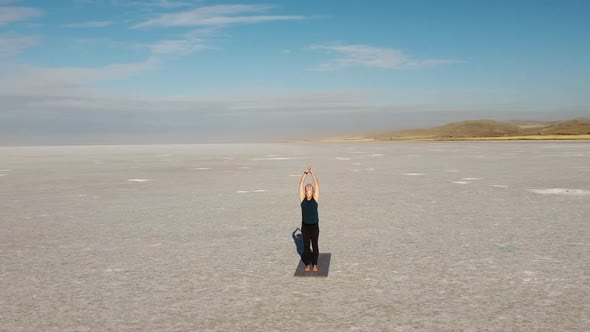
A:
(489, 128)
(578, 126)
(527, 123)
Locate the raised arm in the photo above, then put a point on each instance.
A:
(301, 189)
(316, 194)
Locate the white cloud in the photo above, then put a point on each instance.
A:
(86, 2)
(72, 89)
(215, 16)
(164, 3)
(89, 24)
(36, 89)
(369, 56)
(210, 19)
(144, 4)
(15, 14)
(88, 75)
(176, 46)
(183, 44)
(101, 42)
(27, 80)
(26, 87)
(13, 44)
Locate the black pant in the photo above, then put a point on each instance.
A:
(311, 233)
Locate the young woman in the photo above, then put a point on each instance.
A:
(309, 224)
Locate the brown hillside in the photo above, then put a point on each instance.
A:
(476, 128)
(479, 128)
(570, 127)
(489, 128)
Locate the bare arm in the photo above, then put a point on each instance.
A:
(316, 194)
(301, 189)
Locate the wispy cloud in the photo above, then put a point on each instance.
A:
(86, 2)
(28, 79)
(369, 56)
(101, 43)
(177, 47)
(183, 44)
(10, 14)
(88, 74)
(164, 3)
(13, 44)
(146, 4)
(105, 73)
(216, 16)
(210, 19)
(89, 24)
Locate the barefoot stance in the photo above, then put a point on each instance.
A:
(315, 268)
(307, 268)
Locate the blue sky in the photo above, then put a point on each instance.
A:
(184, 70)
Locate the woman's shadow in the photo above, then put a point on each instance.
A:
(298, 239)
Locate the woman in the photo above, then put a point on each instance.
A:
(310, 219)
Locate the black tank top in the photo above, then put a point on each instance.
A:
(309, 211)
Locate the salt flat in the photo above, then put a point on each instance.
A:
(431, 236)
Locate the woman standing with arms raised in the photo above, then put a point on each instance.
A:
(310, 220)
